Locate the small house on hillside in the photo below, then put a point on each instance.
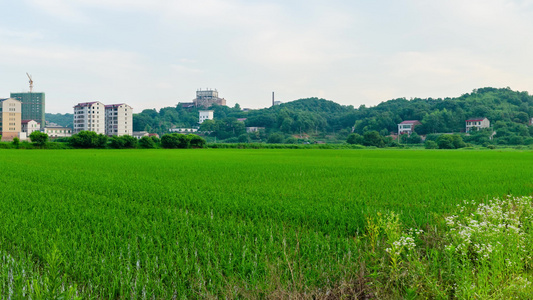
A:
(408, 126)
(477, 124)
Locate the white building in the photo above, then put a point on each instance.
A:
(89, 116)
(254, 129)
(119, 119)
(205, 115)
(58, 131)
(477, 124)
(29, 126)
(407, 127)
(183, 130)
(139, 134)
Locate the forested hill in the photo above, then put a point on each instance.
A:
(506, 109)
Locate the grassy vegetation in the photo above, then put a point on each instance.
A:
(255, 223)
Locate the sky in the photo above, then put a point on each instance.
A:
(156, 53)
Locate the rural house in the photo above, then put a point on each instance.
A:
(477, 124)
(408, 126)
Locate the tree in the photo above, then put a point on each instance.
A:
(275, 138)
(129, 141)
(175, 140)
(196, 141)
(117, 142)
(355, 138)
(445, 141)
(147, 142)
(458, 141)
(39, 138)
(88, 139)
(431, 145)
(373, 138)
(16, 142)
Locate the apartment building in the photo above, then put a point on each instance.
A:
(119, 119)
(32, 106)
(89, 116)
(10, 118)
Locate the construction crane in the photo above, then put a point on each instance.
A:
(31, 82)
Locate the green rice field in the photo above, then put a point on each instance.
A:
(222, 223)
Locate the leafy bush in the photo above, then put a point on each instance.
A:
(431, 145)
(88, 139)
(147, 142)
(39, 138)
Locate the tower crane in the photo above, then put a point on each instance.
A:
(31, 82)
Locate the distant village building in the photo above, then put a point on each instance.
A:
(139, 134)
(207, 98)
(10, 118)
(408, 126)
(183, 130)
(29, 126)
(242, 119)
(254, 129)
(477, 124)
(57, 131)
(119, 119)
(205, 115)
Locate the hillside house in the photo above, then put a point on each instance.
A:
(477, 124)
(408, 126)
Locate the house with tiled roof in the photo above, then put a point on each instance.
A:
(408, 126)
(477, 124)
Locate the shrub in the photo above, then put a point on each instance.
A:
(275, 138)
(175, 140)
(88, 139)
(431, 145)
(147, 142)
(39, 138)
(196, 141)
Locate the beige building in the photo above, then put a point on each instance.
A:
(89, 116)
(58, 131)
(10, 118)
(119, 119)
(29, 126)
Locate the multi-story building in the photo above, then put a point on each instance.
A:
(477, 124)
(32, 106)
(119, 119)
(10, 118)
(408, 127)
(208, 98)
(29, 126)
(89, 116)
(205, 115)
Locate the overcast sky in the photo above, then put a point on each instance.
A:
(156, 53)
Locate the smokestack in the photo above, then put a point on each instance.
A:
(272, 99)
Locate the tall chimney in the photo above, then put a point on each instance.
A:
(272, 98)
